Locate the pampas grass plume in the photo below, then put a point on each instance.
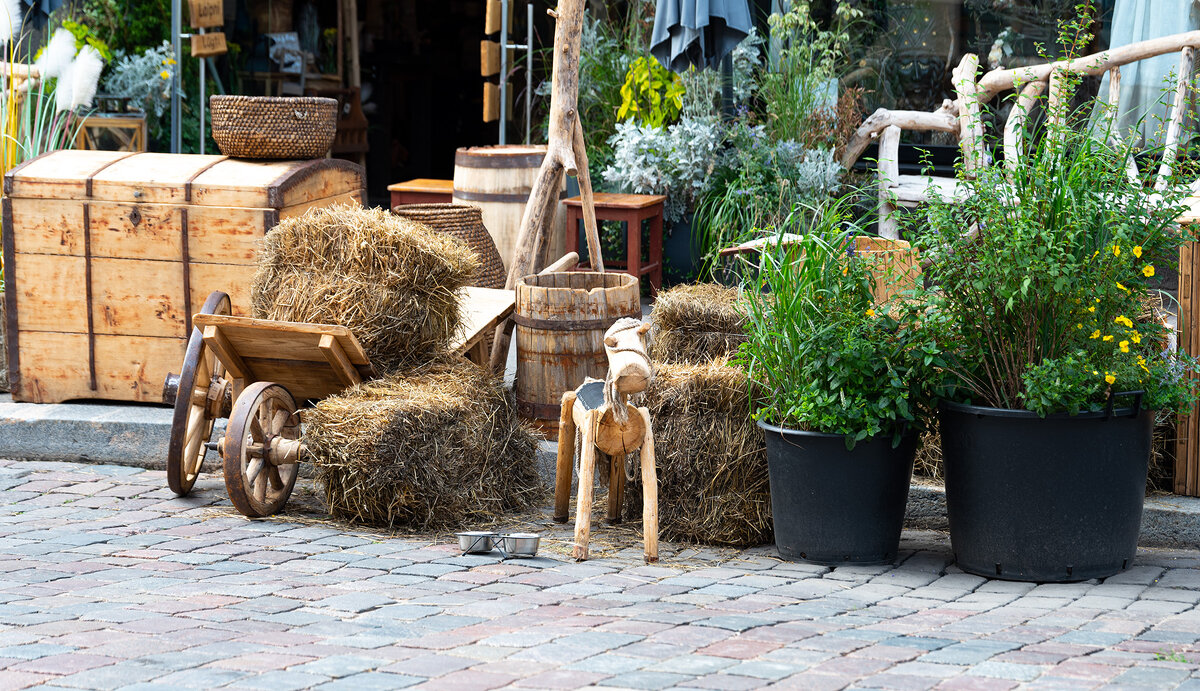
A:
(85, 77)
(10, 19)
(63, 91)
(58, 54)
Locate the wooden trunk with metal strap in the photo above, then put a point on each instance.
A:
(560, 321)
(108, 254)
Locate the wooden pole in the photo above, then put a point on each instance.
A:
(649, 491)
(587, 478)
(534, 235)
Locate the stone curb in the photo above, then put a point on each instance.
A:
(137, 435)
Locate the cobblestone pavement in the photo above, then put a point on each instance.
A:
(108, 581)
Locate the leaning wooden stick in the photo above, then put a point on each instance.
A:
(561, 157)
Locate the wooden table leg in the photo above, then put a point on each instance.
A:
(656, 249)
(616, 487)
(633, 243)
(574, 214)
(649, 491)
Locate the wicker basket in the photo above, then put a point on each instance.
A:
(464, 222)
(268, 127)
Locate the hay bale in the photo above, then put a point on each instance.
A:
(696, 323)
(439, 447)
(712, 463)
(393, 282)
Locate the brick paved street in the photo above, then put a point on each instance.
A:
(108, 581)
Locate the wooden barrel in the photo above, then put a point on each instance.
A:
(498, 179)
(560, 322)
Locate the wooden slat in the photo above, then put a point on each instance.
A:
(278, 340)
(423, 185)
(59, 174)
(338, 361)
(482, 310)
(151, 178)
(619, 201)
(220, 345)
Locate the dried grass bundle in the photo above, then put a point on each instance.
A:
(438, 447)
(393, 282)
(712, 462)
(928, 462)
(696, 323)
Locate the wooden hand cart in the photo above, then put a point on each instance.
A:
(254, 371)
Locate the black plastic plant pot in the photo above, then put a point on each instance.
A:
(1044, 499)
(835, 506)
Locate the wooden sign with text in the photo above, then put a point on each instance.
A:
(208, 45)
(206, 13)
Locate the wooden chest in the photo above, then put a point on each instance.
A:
(108, 254)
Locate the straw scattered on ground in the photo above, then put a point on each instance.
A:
(393, 282)
(696, 323)
(712, 465)
(439, 447)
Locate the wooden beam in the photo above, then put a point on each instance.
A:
(332, 350)
(1015, 125)
(1178, 112)
(944, 119)
(234, 364)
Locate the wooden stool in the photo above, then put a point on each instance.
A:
(422, 191)
(630, 209)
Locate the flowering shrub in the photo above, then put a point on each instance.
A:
(823, 357)
(1045, 300)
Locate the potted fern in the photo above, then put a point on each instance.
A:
(1055, 361)
(841, 387)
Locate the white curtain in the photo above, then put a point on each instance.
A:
(1147, 86)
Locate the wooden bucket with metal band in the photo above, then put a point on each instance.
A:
(560, 323)
(498, 179)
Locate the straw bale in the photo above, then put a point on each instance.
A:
(696, 323)
(438, 447)
(712, 463)
(393, 282)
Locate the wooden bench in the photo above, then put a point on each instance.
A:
(422, 191)
(630, 209)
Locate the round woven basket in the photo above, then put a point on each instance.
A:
(269, 127)
(464, 222)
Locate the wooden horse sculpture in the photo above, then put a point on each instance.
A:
(598, 417)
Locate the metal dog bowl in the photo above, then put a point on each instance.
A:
(477, 542)
(521, 544)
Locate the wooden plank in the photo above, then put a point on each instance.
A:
(619, 201)
(275, 184)
(338, 361)
(424, 185)
(229, 235)
(354, 198)
(482, 310)
(59, 174)
(220, 345)
(128, 368)
(136, 231)
(47, 226)
(208, 45)
(152, 178)
(203, 14)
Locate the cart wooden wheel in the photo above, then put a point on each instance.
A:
(199, 393)
(261, 449)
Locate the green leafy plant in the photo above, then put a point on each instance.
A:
(1043, 274)
(652, 95)
(822, 355)
(84, 36)
(799, 89)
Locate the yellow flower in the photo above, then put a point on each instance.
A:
(1092, 308)
(870, 313)
(1122, 287)
(1095, 372)
(1097, 300)
(1116, 250)
(1079, 326)
(1137, 251)
(1124, 346)
(1148, 270)
(1135, 337)
(1107, 338)
(165, 74)
(1110, 379)
(1096, 333)
(1123, 320)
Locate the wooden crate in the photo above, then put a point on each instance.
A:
(108, 254)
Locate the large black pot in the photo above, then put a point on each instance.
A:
(1044, 499)
(833, 506)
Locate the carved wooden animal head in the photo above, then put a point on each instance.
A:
(628, 365)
